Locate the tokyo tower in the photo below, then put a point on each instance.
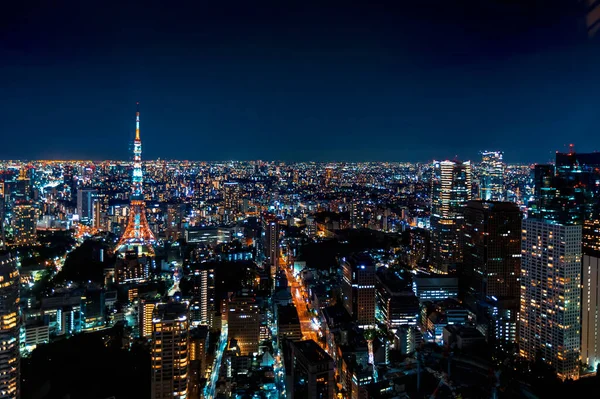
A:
(137, 235)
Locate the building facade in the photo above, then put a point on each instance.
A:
(25, 224)
(492, 248)
(590, 299)
(203, 306)
(86, 198)
(550, 319)
(358, 288)
(243, 320)
(491, 176)
(450, 190)
(10, 326)
(312, 371)
(170, 351)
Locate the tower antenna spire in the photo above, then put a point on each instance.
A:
(137, 233)
(137, 121)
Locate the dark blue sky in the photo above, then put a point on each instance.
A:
(291, 80)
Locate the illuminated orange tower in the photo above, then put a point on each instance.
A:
(137, 235)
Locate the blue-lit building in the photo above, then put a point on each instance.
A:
(491, 176)
(435, 287)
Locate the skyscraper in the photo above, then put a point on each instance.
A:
(271, 244)
(590, 299)
(25, 223)
(492, 248)
(137, 234)
(85, 204)
(491, 176)
(450, 190)
(170, 351)
(567, 192)
(358, 288)
(203, 306)
(23, 186)
(492, 264)
(10, 325)
(549, 321)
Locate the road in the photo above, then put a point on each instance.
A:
(211, 385)
(310, 330)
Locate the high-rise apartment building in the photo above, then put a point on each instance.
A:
(10, 326)
(25, 223)
(145, 313)
(492, 248)
(86, 197)
(450, 190)
(590, 299)
(170, 351)
(231, 197)
(549, 319)
(358, 288)
(243, 320)
(203, 305)
(491, 176)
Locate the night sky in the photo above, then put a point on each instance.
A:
(295, 81)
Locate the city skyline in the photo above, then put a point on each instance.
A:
(207, 200)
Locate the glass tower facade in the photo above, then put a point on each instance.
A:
(491, 176)
(450, 191)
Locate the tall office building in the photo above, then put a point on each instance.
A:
(203, 305)
(567, 192)
(10, 326)
(450, 190)
(271, 244)
(25, 223)
(312, 371)
(85, 204)
(358, 288)
(492, 264)
(170, 351)
(492, 248)
(243, 321)
(549, 321)
(491, 176)
(23, 187)
(590, 299)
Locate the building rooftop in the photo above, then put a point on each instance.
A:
(288, 315)
(312, 351)
(171, 311)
